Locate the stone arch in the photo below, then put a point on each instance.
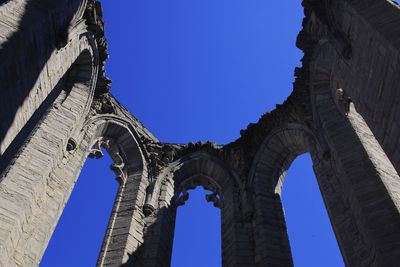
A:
(202, 169)
(189, 171)
(266, 178)
(209, 169)
(120, 139)
(277, 152)
(359, 184)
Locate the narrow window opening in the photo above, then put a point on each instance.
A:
(197, 240)
(311, 236)
(79, 234)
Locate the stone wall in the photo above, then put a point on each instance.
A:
(343, 111)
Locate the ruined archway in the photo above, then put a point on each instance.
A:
(187, 172)
(197, 233)
(118, 137)
(266, 178)
(63, 112)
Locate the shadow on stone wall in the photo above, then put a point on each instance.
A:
(147, 255)
(25, 53)
(23, 135)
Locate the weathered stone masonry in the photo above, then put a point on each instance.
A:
(56, 110)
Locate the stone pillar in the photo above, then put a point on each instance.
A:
(267, 175)
(124, 234)
(365, 179)
(39, 177)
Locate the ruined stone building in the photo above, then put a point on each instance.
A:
(56, 111)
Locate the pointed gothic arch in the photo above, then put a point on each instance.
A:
(331, 113)
(266, 178)
(121, 141)
(197, 168)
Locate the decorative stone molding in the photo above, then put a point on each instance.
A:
(350, 45)
(149, 205)
(94, 20)
(343, 101)
(182, 195)
(71, 145)
(96, 152)
(159, 156)
(116, 153)
(102, 104)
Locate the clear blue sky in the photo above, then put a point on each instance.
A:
(195, 70)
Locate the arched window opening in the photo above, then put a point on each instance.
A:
(311, 236)
(85, 217)
(197, 240)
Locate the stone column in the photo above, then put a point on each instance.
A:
(365, 179)
(39, 177)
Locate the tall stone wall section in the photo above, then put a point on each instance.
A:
(343, 111)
